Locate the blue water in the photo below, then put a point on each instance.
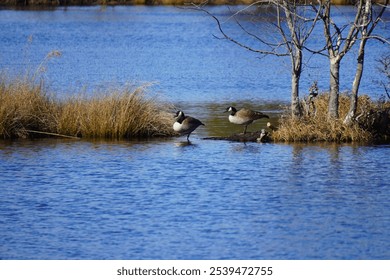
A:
(171, 47)
(208, 200)
(163, 198)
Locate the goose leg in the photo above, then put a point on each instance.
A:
(188, 136)
(245, 129)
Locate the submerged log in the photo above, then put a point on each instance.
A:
(256, 136)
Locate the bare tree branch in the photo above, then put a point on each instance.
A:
(231, 39)
(250, 34)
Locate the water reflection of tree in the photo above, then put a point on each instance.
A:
(310, 163)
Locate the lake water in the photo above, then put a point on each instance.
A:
(209, 200)
(169, 46)
(165, 198)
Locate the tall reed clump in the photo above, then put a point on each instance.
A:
(24, 106)
(115, 114)
(371, 123)
(27, 110)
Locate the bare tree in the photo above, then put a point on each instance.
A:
(337, 46)
(366, 26)
(294, 29)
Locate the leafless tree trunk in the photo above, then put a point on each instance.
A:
(365, 31)
(294, 47)
(295, 78)
(356, 83)
(337, 47)
(333, 107)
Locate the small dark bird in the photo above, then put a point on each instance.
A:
(313, 90)
(185, 124)
(244, 116)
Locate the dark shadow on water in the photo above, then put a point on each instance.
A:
(185, 144)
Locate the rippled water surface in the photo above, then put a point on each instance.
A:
(165, 198)
(172, 47)
(207, 200)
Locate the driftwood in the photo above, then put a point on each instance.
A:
(52, 134)
(256, 136)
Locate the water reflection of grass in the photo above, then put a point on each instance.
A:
(219, 125)
(372, 124)
(27, 110)
(213, 115)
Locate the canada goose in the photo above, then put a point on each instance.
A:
(244, 116)
(185, 124)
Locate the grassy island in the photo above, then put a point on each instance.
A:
(28, 110)
(372, 124)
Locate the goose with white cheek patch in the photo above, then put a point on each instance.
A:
(244, 116)
(185, 124)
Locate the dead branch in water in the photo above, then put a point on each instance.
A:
(256, 136)
(52, 134)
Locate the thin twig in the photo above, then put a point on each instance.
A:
(53, 134)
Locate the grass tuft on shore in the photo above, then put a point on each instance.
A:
(371, 125)
(27, 110)
(24, 106)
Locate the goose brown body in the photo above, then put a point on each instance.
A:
(185, 124)
(244, 116)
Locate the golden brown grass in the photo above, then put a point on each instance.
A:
(318, 127)
(24, 106)
(122, 113)
(115, 114)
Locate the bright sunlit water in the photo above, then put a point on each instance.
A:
(164, 198)
(209, 200)
(169, 46)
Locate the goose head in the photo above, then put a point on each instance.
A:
(231, 109)
(179, 116)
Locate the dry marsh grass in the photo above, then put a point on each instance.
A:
(115, 114)
(24, 106)
(318, 128)
(28, 110)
